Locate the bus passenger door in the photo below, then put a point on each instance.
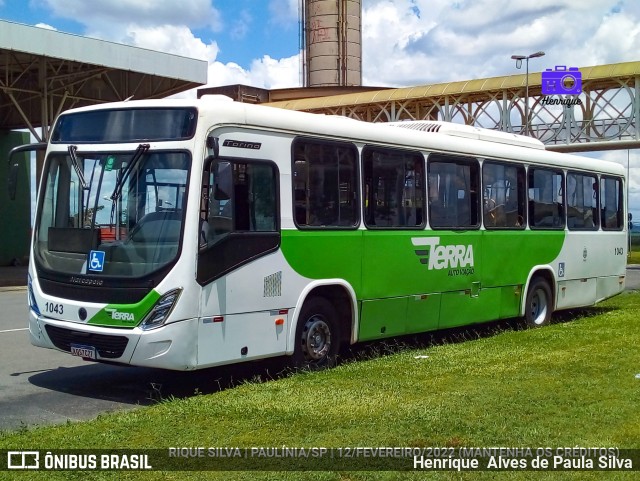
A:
(451, 252)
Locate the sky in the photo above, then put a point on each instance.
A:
(405, 42)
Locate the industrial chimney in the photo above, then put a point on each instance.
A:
(331, 42)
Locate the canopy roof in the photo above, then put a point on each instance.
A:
(604, 73)
(43, 72)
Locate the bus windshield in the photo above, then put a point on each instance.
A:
(114, 214)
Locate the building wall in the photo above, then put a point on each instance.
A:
(15, 215)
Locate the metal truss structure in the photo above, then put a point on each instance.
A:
(44, 72)
(604, 116)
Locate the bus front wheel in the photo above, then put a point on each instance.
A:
(539, 303)
(317, 336)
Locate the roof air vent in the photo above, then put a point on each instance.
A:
(470, 132)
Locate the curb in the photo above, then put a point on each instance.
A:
(12, 288)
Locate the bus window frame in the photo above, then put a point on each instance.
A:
(357, 177)
(563, 204)
(597, 219)
(621, 197)
(400, 151)
(461, 160)
(211, 264)
(521, 169)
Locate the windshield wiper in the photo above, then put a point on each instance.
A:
(140, 151)
(76, 166)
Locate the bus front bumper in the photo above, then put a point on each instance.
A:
(173, 346)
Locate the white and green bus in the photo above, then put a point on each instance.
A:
(184, 234)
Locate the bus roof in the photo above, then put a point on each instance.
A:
(214, 110)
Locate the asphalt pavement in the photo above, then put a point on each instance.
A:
(45, 386)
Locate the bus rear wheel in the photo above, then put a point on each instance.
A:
(317, 335)
(539, 303)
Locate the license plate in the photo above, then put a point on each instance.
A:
(87, 352)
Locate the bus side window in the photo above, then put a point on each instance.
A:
(581, 201)
(546, 199)
(394, 188)
(456, 202)
(503, 195)
(325, 184)
(240, 197)
(611, 203)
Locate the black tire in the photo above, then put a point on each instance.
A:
(317, 341)
(539, 303)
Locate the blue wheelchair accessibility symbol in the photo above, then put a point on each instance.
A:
(96, 261)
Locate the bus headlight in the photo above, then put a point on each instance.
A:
(160, 312)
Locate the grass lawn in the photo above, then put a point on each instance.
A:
(569, 384)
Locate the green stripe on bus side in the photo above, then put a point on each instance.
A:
(412, 281)
(125, 315)
(509, 256)
(325, 254)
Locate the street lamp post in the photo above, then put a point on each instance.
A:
(519, 59)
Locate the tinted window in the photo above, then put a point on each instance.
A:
(135, 219)
(546, 199)
(126, 125)
(582, 201)
(611, 203)
(238, 197)
(325, 184)
(393, 188)
(503, 195)
(453, 192)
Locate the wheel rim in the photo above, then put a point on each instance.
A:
(316, 339)
(539, 306)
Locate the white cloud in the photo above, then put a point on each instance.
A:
(193, 13)
(616, 39)
(168, 26)
(226, 74)
(178, 40)
(422, 41)
(163, 25)
(266, 73)
(46, 26)
(272, 73)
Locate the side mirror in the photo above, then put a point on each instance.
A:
(14, 165)
(213, 144)
(223, 177)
